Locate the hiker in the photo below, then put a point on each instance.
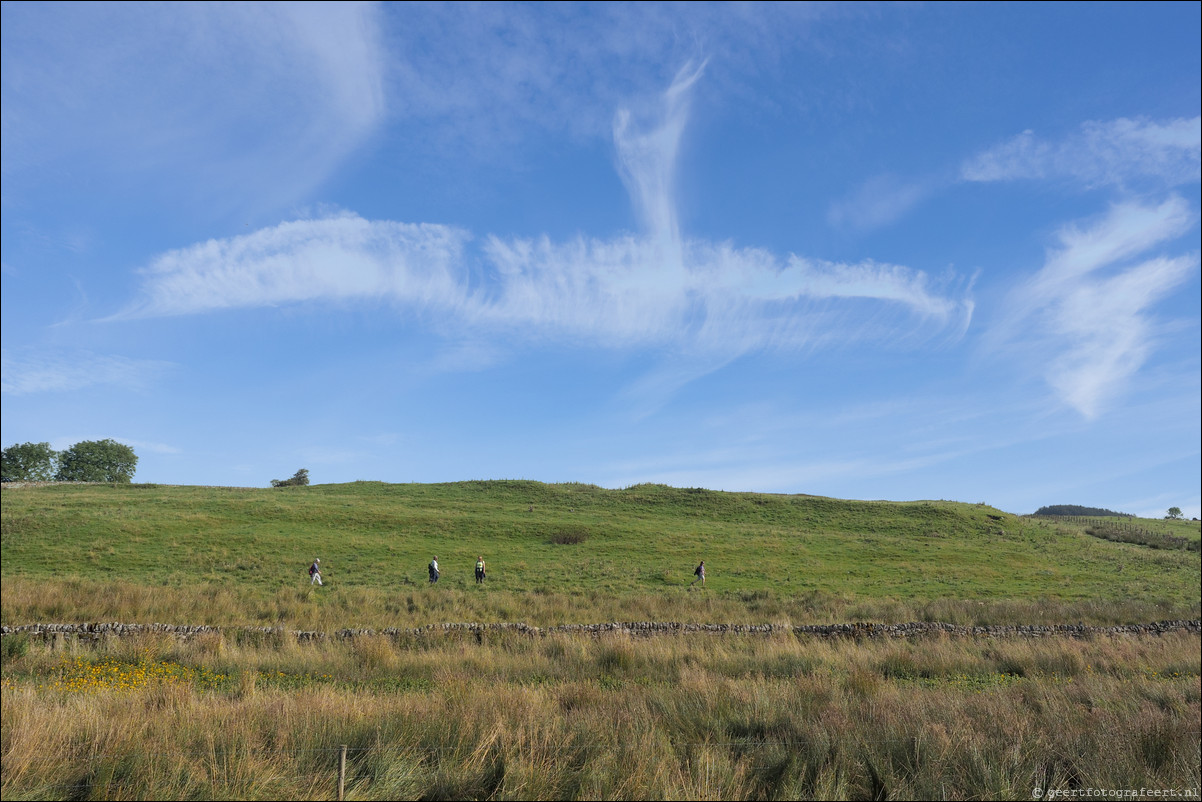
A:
(699, 573)
(315, 572)
(480, 570)
(434, 570)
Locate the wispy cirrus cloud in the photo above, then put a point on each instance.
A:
(1108, 331)
(1114, 152)
(647, 158)
(881, 200)
(658, 287)
(1122, 153)
(249, 104)
(1087, 314)
(480, 77)
(337, 258)
(32, 371)
(612, 292)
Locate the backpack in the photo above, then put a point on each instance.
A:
(312, 569)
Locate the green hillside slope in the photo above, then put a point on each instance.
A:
(559, 552)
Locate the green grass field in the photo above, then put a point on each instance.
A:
(244, 714)
(238, 556)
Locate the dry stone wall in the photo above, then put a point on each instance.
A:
(914, 629)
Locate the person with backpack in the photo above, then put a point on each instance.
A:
(315, 572)
(699, 573)
(434, 570)
(480, 574)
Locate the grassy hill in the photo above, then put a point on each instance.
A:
(247, 715)
(557, 554)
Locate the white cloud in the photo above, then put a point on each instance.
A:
(466, 357)
(480, 77)
(654, 389)
(236, 106)
(1116, 152)
(330, 259)
(706, 302)
(609, 292)
(878, 202)
(1086, 315)
(648, 158)
(33, 371)
(1128, 229)
(1107, 334)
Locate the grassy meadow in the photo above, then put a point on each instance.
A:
(559, 554)
(568, 716)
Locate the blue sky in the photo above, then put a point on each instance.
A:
(866, 251)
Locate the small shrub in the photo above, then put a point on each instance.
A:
(299, 479)
(569, 536)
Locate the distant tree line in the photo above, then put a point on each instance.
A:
(88, 461)
(1073, 509)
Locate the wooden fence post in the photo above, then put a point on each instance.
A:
(342, 774)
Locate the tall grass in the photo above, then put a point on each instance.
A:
(303, 607)
(723, 717)
(458, 715)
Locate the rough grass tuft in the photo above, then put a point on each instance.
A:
(569, 536)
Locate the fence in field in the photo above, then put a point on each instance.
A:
(1124, 531)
